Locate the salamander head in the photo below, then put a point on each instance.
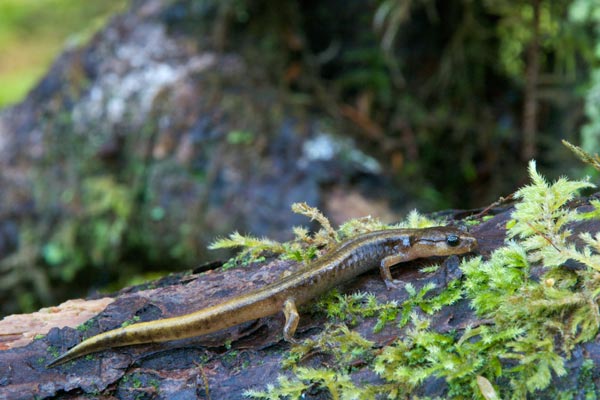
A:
(442, 241)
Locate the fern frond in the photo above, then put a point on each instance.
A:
(584, 156)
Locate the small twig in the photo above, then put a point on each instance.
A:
(379, 351)
(543, 235)
(498, 202)
(204, 380)
(477, 323)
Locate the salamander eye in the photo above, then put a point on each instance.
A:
(452, 240)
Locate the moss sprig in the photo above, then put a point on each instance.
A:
(315, 215)
(344, 346)
(540, 220)
(592, 160)
(250, 245)
(551, 314)
(305, 246)
(337, 384)
(350, 308)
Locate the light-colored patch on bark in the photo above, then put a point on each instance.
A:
(20, 329)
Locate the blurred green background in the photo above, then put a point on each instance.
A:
(34, 32)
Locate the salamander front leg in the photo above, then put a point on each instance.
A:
(291, 320)
(384, 269)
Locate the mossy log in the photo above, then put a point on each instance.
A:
(225, 364)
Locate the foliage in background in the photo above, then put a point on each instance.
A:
(54, 253)
(33, 32)
(437, 90)
(90, 230)
(529, 327)
(460, 87)
(588, 12)
(99, 229)
(434, 88)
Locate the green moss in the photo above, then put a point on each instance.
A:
(203, 359)
(53, 351)
(133, 320)
(304, 247)
(136, 382)
(338, 384)
(530, 325)
(231, 355)
(586, 385)
(85, 326)
(94, 237)
(240, 137)
(155, 383)
(242, 261)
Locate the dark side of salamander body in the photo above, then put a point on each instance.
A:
(380, 249)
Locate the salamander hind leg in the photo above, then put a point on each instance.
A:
(291, 320)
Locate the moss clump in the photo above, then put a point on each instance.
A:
(304, 247)
(533, 311)
(133, 320)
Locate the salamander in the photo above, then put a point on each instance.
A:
(344, 262)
